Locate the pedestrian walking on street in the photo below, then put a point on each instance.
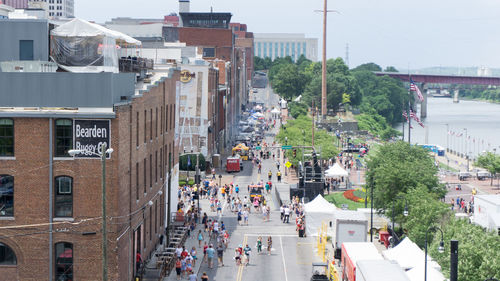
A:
(178, 268)
(269, 245)
(210, 255)
(204, 277)
(192, 276)
(278, 175)
(270, 175)
(286, 218)
(259, 244)
(247, 250)
(220, 254)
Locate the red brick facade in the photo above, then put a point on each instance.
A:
(127, 209)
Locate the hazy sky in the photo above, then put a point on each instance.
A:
(388, 32)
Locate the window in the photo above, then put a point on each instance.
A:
(137, 181)
(64, 261)
(265, 49)
(6, 196)
(63, 202)
(151, 126)
(137, 130)
(161, 163)
(150, 222)
(26, 50)
(145, 183)
(6, 137)
(161, 121)
(166, 118)
(145, 119)
(7, 256)
(150, 171)
(172, 116)
(156, 215)
(209, 52)
(156, 166)
(64, 137)
(156, 123)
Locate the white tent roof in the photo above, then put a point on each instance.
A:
(336, 171)
(408, 255)
(319, 205)
(83, 28)
(417, 273)
(275, 110)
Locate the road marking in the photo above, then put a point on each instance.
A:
(283, 258)
(271, 234)
(239, 276)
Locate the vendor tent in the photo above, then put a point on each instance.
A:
(408, 255)
(336, 171)
(318, 211)
(417, 273)
(81, 46)
(276, 111)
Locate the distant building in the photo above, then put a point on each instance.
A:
(278, 45)
(16, 4)
(5, 10)
(56, 8)
(483, 71)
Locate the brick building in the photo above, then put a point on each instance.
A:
(50, 202)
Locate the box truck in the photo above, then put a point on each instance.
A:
(487, 211)
(376, 270)
(352, 253)
(349, 226)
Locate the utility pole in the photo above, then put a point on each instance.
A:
(323, 75)
(312, 123)
(104, 230)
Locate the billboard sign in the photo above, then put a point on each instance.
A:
(89, 135)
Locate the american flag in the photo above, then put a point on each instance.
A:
(413, 87)
(415, 117)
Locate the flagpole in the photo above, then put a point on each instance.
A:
(409, 106)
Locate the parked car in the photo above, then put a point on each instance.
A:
(464, 176)
(483, 175)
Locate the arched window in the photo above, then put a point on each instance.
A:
(6, 196)
(6, 137)
(7, 256)
(64, 261)
(63, 197)
(64, 137)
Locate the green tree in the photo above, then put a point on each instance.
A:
(368, 67)
(183, 163)
(297, 109)
(288, 82)
(490, 162)
(397, 167)
(390, 69)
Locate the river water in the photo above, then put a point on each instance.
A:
(480, 121)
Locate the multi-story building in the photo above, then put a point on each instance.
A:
(51, 202)
(16, 4)
(278, 45)
(57, 8)
(244, 43)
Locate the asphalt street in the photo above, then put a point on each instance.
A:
(291, 256)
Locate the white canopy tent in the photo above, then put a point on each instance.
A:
(336, 171)
(408, 255)
(318, 211)
(83, 28)
(417, 273)
(81, 46)
(275, 111)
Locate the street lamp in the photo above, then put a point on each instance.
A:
(371, 212)
(220, 180)
(440, 248)
(104, 151)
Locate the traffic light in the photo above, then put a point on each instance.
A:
(295, 153)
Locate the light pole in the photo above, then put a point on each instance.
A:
(447, 137)
(465, 142)
(220, 180)
(371, 213)
(104, 152)
(405, 212)
(440, 248)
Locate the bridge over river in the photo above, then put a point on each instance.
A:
(440, 79)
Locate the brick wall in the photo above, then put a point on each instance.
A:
(31, 191)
